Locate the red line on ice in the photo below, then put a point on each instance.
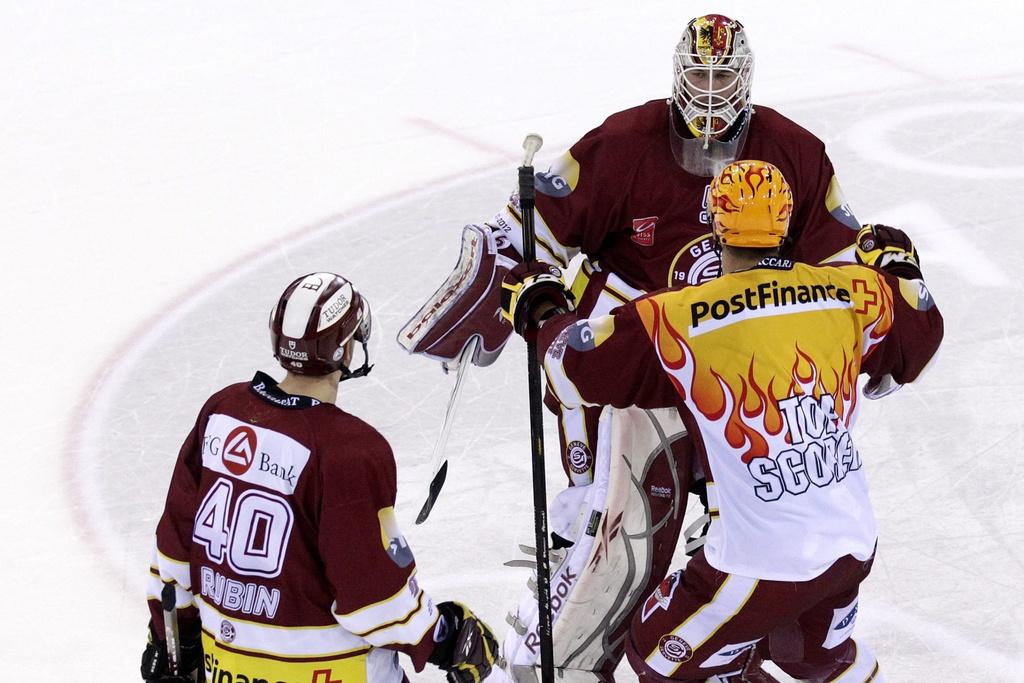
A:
(73, 446)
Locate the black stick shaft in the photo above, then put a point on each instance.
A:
(540, 503)
(168, 601)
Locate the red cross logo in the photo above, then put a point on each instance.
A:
(867, 298)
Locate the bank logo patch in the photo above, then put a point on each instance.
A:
(643, 230)
(239, 450)
(675, 649)
(579, 456)
(253, 454)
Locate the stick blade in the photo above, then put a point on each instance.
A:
(434, 491)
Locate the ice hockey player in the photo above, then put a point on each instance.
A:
(762, 364)
(632, 197)
(279, 534)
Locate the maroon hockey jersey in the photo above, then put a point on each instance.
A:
(619, 196)
(279, 532)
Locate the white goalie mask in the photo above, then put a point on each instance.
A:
(713, 68)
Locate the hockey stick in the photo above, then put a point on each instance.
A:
(440, 468)
(531, 145)
(168, 602)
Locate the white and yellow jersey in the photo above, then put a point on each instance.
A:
(763, 365)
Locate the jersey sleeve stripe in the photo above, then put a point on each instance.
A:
(411, 631)
(182, 597)
(380, 605)
(396, 622)
(170, 569)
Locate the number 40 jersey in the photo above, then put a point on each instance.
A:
(279, 533)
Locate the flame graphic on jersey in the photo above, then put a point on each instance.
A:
(743, 406)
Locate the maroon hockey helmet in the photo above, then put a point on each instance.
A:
(314, 320)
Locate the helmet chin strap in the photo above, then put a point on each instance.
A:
(716, 243)
(361, 371)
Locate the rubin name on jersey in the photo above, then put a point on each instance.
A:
(247, 598)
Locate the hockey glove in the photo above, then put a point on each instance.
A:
(466, 647)
(531, 293)
(154, 658)
(889, 249)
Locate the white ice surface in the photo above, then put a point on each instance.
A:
(165, 168)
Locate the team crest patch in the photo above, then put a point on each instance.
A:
(695, 264)
(643, 230)
(674, 649)
(227, 631)
(580, 458)
(661, 597)
(391, 538)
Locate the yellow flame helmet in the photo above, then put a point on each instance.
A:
(750, 205)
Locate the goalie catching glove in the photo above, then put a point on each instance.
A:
(531, 293)
(889, 249)
(466, 647)
(466, 305)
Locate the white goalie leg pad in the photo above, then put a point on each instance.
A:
(599, 580)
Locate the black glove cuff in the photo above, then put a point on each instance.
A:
(550, 293)
(154, 658)
(446, 632)
(903, 269)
